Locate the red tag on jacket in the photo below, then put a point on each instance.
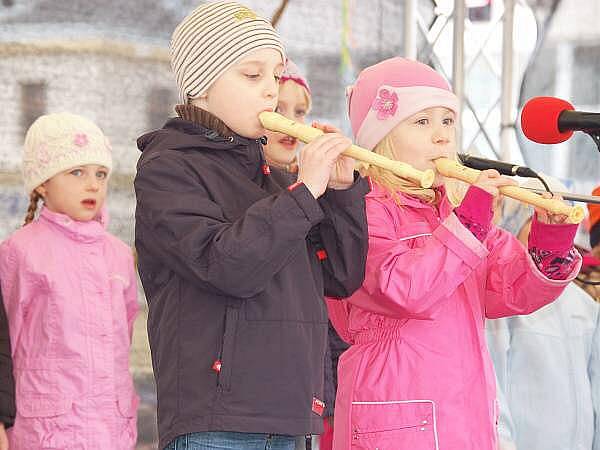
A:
(318, 406)
(217, 366)
(322, 255)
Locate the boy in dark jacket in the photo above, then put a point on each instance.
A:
(234, 264)
(7, 382)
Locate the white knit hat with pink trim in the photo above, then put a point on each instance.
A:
(388, 92)
(57, 142)
(292, 72)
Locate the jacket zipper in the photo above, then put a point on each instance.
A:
(227, 349)
(357, 433)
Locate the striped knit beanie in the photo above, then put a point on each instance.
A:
(211, 39)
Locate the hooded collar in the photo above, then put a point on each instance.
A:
(183, 134)
(444, 206)
(201, 117)
(83, 231)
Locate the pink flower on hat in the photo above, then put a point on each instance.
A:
(385, 104)
(394, 89)
(81, 140)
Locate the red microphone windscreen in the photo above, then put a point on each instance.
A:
(539, 120)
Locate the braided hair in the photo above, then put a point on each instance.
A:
(34, 198)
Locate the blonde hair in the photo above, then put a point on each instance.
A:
(307, 97)
(393, 184)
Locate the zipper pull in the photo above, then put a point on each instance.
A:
(212, 135)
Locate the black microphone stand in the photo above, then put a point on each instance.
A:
(595, 135)
(573, 197)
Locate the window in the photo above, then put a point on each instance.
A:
(479, 10)
(33, 103)
(323, 72)
(586, 66)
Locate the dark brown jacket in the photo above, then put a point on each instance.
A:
(7, 382)
(235, 267)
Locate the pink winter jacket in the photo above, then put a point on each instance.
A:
(418, 375)
(70, 294)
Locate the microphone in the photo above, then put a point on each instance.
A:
(504, 168)
(550, 120)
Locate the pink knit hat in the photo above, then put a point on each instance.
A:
(292, 72)
(388, 92)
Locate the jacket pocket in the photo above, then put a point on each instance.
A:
(32, 382)
(232, 317)
(45, 422)
(38, 376)
(43, 406)
(391, 425)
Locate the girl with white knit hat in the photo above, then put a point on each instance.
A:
(234, 261)
(70, 293)
(418, 375)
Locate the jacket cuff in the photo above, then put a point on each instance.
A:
(347, 197)
(307, 203)
(551, 237)
(476, 213)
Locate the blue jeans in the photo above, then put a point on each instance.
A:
(229, 440)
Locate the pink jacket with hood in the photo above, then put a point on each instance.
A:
(418, 375)
(70, 294)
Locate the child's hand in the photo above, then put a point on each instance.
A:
(318, 160)
(325, 127)
(342, 174)
(490, 181)
(546, 216)
(3, 438)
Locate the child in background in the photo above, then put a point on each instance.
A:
(547, 363)
(281, 152)
(594, 221)
(418, 374)
(70, 293)
(234, 263)
(589, 276)
(7, 382)
(294, 102)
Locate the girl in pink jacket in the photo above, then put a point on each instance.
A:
(70, 293)
(418, 375)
